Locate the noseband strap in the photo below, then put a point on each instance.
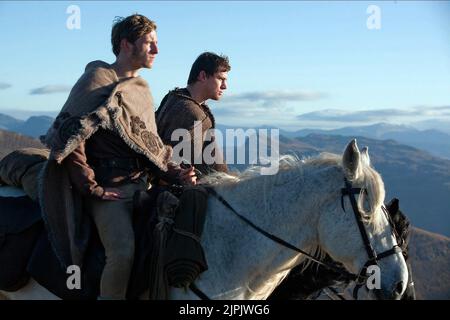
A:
(373, 256)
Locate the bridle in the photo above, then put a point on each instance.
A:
(373, 256)
(359, 278)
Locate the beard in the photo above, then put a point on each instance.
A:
(139, 58)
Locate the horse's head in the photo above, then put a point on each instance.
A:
(402, 228)
(355, 230)
(308, 280)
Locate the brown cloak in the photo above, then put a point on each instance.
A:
(181, 111)
(98, 99)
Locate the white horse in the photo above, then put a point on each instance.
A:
(300, 204)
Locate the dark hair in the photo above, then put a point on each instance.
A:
(131, 28)
(210, 63)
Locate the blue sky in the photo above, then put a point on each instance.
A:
(294, 64)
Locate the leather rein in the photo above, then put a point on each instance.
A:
(359, 278)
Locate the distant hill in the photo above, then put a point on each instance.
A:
(437, 124)
(430, 256)
(22, 114)
(10, 141)
(433, 141)
(34, 126)
(436, 142)
(7, 122)
(421, 181)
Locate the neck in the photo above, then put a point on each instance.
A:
(124, 68)
(286, 205)
(196, 93)
(269, 260)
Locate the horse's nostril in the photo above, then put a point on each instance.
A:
(399, 288)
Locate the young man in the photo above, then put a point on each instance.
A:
(186, 108)
(103, 143)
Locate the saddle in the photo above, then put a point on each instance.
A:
(173, 253)
(20, 226)
(179, 256)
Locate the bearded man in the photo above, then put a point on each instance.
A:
(103, 143)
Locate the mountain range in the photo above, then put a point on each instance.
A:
(429, 255)
(412, 162)
(433, 141)
(10, 141)
(419, 179)
(430, 260)
(436, 142)
(34, 126)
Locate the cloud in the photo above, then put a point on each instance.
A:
(277, 96)
(435, 111)
(251, 110)
(445, 108)
(228, 112)
(4, 85)
(50, 89)
(336, 115)
(346, 116)
(262, 106)
(272, 108)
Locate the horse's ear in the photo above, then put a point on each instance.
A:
(365, 156)
(351, 160)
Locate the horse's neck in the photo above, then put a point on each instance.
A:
(288, 202)
(242, 262)
(272, 204)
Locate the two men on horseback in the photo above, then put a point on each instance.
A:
(104, 144)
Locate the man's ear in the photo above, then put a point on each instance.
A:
(202, 76)
(125, 45)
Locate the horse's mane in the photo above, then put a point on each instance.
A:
(366, 178)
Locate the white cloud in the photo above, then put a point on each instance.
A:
(248, 113)
(335, 115)
(261, 107)
(4, 85)
(49, 89)
(277, 96)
